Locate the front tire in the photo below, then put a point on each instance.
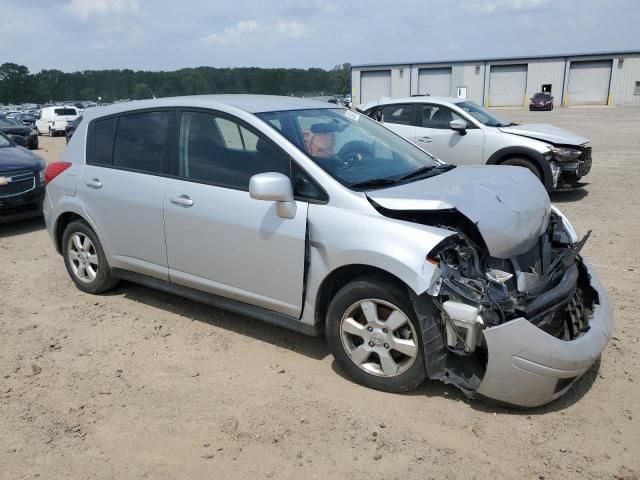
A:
(372, 331)
(523, 162)
(85, 259)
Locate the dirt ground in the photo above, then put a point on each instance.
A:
(140, 384)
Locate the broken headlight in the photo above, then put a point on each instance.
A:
(565, 154)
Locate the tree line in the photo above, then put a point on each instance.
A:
(18, 85)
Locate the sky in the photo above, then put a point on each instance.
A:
(72, 35)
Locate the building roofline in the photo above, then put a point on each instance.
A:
(498, 59)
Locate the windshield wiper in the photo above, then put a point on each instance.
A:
(375, 182)
(427, 171)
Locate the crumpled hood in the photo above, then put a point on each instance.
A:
(546, 133)
(509, 205)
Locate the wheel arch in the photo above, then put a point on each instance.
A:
(341, 276)
(534, 156)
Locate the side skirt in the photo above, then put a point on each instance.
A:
(259, 313)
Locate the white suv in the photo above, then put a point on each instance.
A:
(461, 132)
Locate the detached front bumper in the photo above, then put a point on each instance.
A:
(528, 367)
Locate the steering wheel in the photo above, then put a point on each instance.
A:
(352, 152)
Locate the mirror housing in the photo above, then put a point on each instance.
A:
(459, 126)
(19, 140)
(274, 187)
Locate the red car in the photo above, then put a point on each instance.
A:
(541, 101)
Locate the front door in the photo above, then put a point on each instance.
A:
(434, 134)
(219, 239)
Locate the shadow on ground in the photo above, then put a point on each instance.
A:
(21, 227)
(311, 347)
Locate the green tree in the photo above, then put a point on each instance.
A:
(88, 93)
(142, 91)
(15, 82)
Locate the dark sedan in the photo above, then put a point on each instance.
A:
(21, 181)
(28, 119)
(11, 126)
(541, 101)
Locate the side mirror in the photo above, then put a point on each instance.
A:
(19, 140)
(274, 187)
(459, 126)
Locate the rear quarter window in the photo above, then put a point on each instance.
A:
(104, 134)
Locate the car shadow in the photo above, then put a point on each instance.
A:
(311, 347)
(569, 195)
(21, 227)
(436, 388)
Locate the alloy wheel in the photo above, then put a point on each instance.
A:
(379, 338)
(83, 257)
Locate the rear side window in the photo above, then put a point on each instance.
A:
(399, 114)
(141, 141)
(104, 134)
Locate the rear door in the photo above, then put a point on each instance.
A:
(123, 186)
(434, 134)
(218, 238)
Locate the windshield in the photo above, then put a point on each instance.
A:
(483, 115)
(65, 111)
(541, 96)
(8, 122)
(355, 150)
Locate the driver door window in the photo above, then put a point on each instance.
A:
(435, 135)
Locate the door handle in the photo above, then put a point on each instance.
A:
(425, 139)
(182, 200)
(93, 183)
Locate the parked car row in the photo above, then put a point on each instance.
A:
(462, 132)
(411, 267)
(15, 128)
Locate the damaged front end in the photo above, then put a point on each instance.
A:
(480, 304)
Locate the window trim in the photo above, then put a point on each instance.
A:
(175, 157)
(168, 147)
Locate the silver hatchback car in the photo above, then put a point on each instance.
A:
(321, 220)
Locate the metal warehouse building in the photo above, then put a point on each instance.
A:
(580, 79)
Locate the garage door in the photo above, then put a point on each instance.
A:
(434, 81)
(507, 84)
(374, 85)
(589, 83)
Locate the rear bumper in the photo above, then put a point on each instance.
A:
(528, 367)
(20, 207)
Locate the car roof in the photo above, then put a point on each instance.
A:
(249, 103)
(414, 99)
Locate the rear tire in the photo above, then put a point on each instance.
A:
(373, 333)
(523, 162)
(85, 259)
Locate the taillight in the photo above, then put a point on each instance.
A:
(54, 169)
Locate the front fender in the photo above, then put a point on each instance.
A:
(340, 238)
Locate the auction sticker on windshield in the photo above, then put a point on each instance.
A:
(352, 115)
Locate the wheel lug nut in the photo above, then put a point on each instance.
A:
(371, 344)
(385, 330)
(386, 345)
(369, 329)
